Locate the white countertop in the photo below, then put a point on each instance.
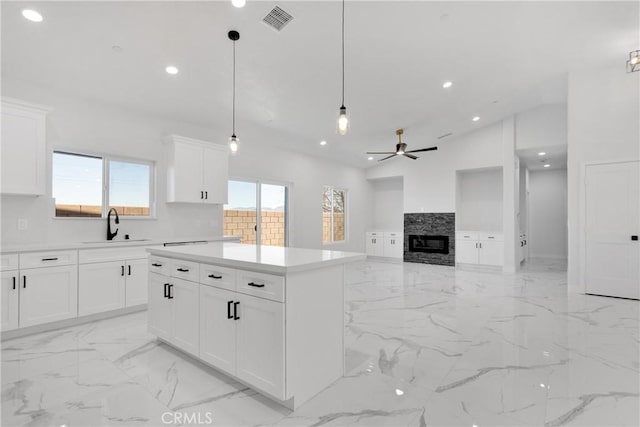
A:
(268, 259)
(37, 247)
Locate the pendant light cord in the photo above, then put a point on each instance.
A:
(234, 89)
(343, 53)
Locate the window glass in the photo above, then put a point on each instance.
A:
(77, 185)
(333, 214)
(129, 188)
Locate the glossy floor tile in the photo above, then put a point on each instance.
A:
(426, 346)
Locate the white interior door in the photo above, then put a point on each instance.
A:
(612, 264)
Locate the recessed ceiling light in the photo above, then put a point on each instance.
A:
(399, 392)
(238, 3)
(547, 165)
(447, 85)
(370, 158)
(32, 15)
(116, 49)
(542, 153)
(171, 69)
(323, 142)
(476, 118)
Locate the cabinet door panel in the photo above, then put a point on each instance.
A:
(215, 175)
(160, 315)
(491, 253)
(137, 276)
(217, 331)
(101, 287)
(260, 344)
(187, 173)
(467, 251)
(9, 300)
(50, 294)
(185, 307)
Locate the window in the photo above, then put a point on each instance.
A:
(88, 186)
(334, 210)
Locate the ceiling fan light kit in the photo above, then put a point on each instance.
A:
(401, 149)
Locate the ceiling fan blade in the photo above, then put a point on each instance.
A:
(423, 149)
(388, 157)
(381, 152)
(410, 156)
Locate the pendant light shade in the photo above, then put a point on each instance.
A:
(234, 141)
(343, 119)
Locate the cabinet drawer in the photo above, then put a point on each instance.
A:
(374, 234)
(48, 259)
(261, 285)
(465, 235)
(396, 235)
(217, 276)
(9, 262)
(111, 254)
(186, 270)
(159, 265)
(498, 237)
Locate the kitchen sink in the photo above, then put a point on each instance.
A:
(116, 241)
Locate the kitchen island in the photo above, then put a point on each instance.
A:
(270, 317)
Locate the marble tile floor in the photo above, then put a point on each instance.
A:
(426, 346)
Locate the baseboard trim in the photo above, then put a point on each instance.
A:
(47, 327)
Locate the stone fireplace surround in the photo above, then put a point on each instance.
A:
(439, 224)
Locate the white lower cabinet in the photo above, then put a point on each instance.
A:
(467, 251)
(101, 287)
(479, 248)
(136, 282)
(9, 300)
(48, 294)
(385, 244)
(217, 328)
(160, 313)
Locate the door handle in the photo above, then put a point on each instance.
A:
(129, 270)
(235, 310)
(166, 293)
(50, 259)
(169, 296)
(24, 282)
(201, 195)
(256, 285)
(634, 237)
(206, 195)
(229, 316)
(122, 270)
(213, 276)
(156, 265)
(182, 270)
(14, 282)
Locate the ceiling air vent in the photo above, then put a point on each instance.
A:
(277, 18)
(445, 135)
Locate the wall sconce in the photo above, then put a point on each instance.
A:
(633, 64)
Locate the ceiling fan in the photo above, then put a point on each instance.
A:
(401, 148)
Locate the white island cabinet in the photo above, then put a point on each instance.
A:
(270, 317)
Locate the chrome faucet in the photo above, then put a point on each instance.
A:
(111, 235)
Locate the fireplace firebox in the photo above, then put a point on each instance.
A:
(429, 244)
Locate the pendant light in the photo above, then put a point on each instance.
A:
(343, 120)
(234, 141)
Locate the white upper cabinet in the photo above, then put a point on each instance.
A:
(197, 171)
(23, 148)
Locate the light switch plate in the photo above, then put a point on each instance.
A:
(23, 224)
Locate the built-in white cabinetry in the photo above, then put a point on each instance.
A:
(523, 250)
(23, 148)
(484, 248)
(44, 289)
(110, 279)
(385, 244)
(197, 171)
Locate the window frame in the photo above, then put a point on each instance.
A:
(345, 213)
(106, 159)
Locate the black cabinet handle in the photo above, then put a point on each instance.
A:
(14, 282)
(169, 294)
(206, 195)
(128, 270)
(235, 310)
(156, 265)
(521, 244)
(634, 238)
(182, 270)
(166, 292)
(201, 195)
(122, 270)
(256, 285)
(24, 282)
(213, 276)
(229, 316)
(525, 242)
(50, 259)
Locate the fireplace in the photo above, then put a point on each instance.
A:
(429, 244)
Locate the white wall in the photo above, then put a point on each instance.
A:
(479, 200)
(87, 126)
(604, 112)
(547, 236)
(543, 126)
(388, 202)
(430, 181)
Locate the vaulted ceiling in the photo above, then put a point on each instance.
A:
(502, 57)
